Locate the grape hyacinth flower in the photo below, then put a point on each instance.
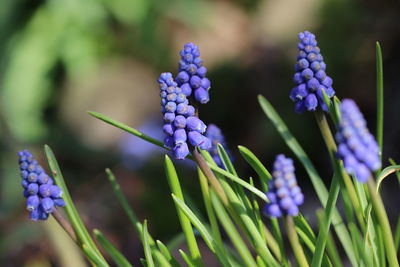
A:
(216, 137)
(357, 147)
(192, 74)
(284, 194)
(310, 77)
(181, 123)
(42, 196)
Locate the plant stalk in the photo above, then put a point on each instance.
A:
(210, 176)
(380, 212)
(295, 243)
(64, 224)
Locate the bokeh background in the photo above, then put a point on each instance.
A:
(61, 58)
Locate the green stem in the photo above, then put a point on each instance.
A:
(295, 243)
(380, 212)
(326, 134)
(210, 211)
(210, 176)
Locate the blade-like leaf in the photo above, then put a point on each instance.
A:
(93, 256)
(83, 235)
(324, 227)
(385, 173)
(175, 186)
(316, 180)
(125, 205)
(167, 254)
(231, 231)
(240, 181)
(114, 253)
(128, 129)
(146, 246)
(187, 259)
(256, 164)
(207, 237)
(379, 97)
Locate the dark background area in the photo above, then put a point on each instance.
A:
(59, 59)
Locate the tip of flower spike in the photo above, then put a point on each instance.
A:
(192, 74)
(310, 77)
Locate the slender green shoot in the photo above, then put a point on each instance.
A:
(295, 243)
(379, 97)
(82, 234)
(114, 253)
(324, 227)
(175, 186)
(146, 246)
(380, 212)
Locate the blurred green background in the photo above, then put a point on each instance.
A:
(60, 58)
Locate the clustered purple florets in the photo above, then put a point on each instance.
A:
(192, 74)
(310, 77)
(181, 123)
(42, 196)
(284, 194)
(357, 147)
(216, 137)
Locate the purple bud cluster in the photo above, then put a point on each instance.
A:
(357, 147)
(181, 123)
(39, 190)
(192, 74)
(216, 137)
(310, 77)
(284, 194)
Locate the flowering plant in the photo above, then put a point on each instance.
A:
(243, 224)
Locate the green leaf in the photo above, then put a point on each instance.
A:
(117, 256)
(93, 256)
(175, 186)
(256, 164)
(125, 205)
(238, 189)
(205, 189)
(379, 97)
(324, 227)
(397, 235)
(187, 259)
(231, 231)
(240, 181)
(167, 254)
(207, 237)
(146, 246)
(364, 255)
(77, 224)
(316, 180)
(238, 212)
(127, 129)
(385, 173)
(397, 173)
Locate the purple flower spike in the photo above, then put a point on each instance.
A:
(192, 74)
(41, 195)
(356, 145)
(310, 77)
(179, 117)
(284, 194)
(216, 137)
